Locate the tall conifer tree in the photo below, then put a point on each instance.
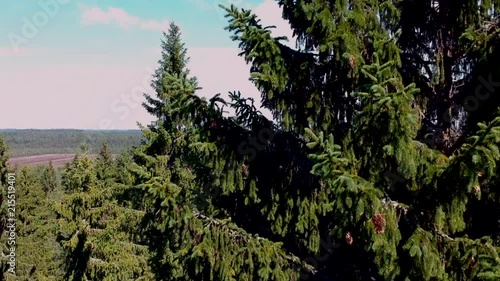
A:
(97, 225)
(373, 92)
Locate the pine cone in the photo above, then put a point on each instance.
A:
(473, 262)
(244, 170)
(348, 238)
(213, 124)
(477, 189)
(352, 62)
(197, 239)
(379, 222)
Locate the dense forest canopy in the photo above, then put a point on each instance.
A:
(29, 142)
(381, 163)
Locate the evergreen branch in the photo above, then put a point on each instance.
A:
(395, 204)
(233, 232)
(95, 260)
(239, 234)
(445, 236)
(140, 246)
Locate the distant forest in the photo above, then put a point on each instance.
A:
(37, 142)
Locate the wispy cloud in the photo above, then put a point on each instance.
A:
(154, 25)
(117, 16)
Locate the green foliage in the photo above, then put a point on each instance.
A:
(4, 156)
(49, 178)
(373, 88)
(104, 164)
(39, 255)
(97, 229)
(79, 174)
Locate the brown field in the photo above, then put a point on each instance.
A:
(58, 160)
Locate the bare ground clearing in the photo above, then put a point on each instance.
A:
(58, 160)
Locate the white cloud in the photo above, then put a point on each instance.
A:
(96, 15)
(154, 25)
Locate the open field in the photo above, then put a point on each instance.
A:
(58, 160)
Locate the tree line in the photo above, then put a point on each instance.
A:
(28, 142)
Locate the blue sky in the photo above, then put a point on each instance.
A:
(201, 21)
(83, 64)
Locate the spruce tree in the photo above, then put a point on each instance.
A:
(49, 178)
(172, 69)
(104, 164)
(354, 103)
(179, 212)
(97, 228)
(40, 257)
(161, 159)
